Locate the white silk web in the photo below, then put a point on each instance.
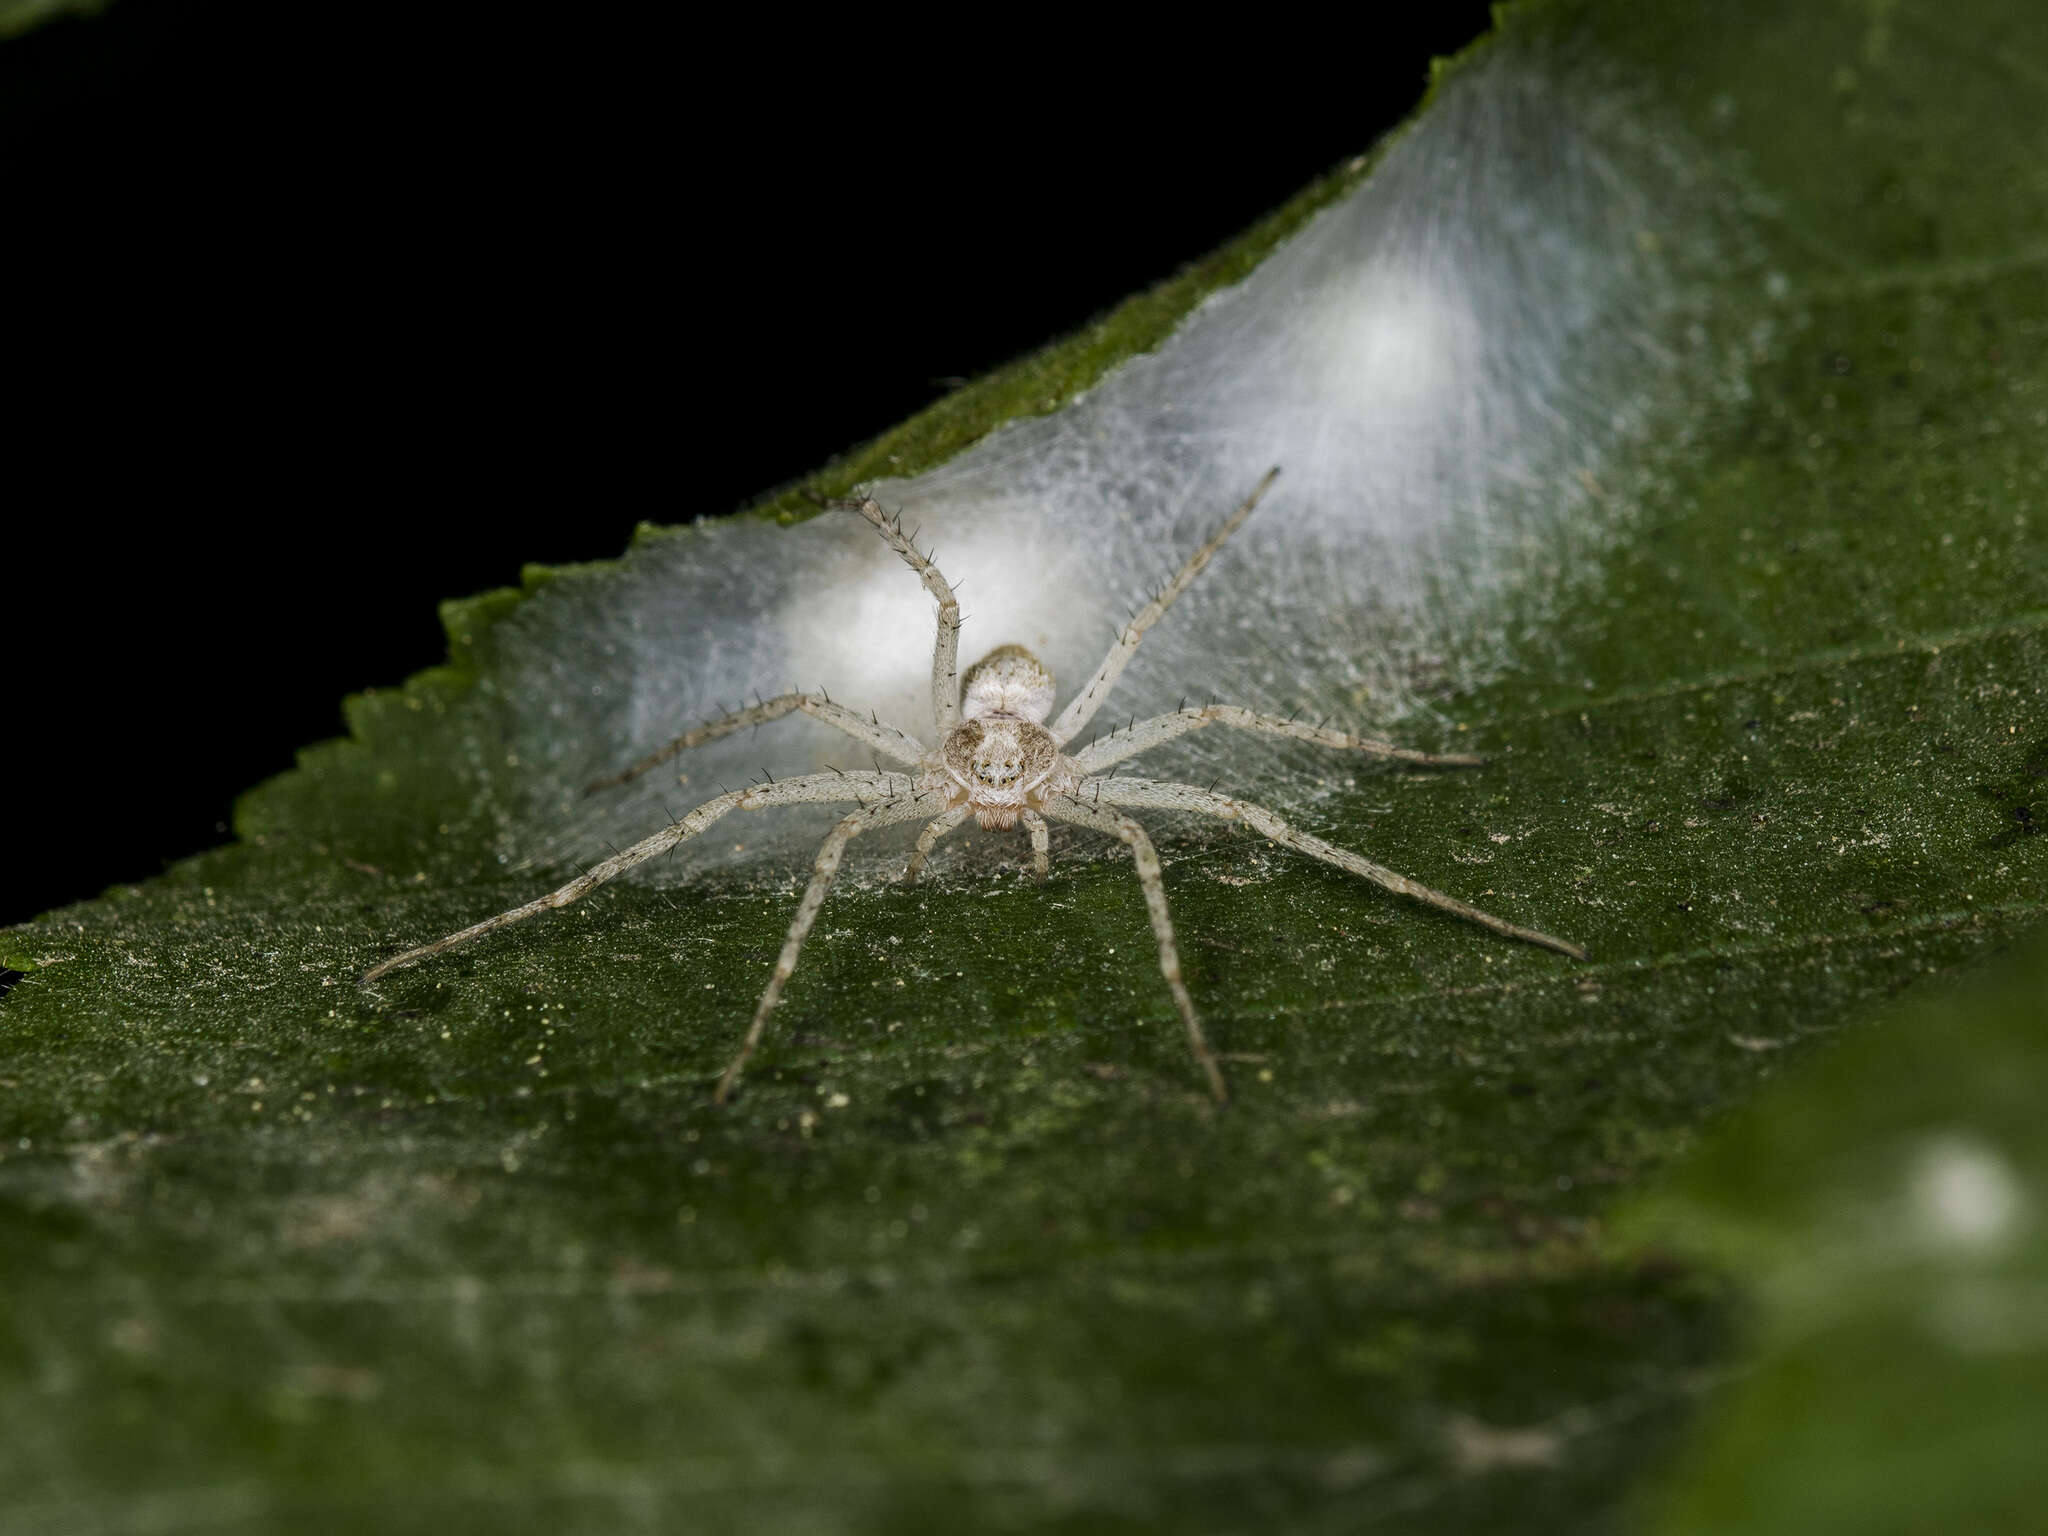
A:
(1465, 367)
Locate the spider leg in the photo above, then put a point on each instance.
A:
(812, 787)
(928, 839)
(1041, 845)
(885, 739)
(1186, 797)
(946, 647)
(1104, 818)
(904, 808)
(1081, 708)
(1160, 729)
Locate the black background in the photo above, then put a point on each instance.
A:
(316, 315)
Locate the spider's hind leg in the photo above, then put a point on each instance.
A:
(884, 739)
(1162, 796)
(1144, 735)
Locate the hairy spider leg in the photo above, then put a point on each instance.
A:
(1160, 729)
(825, 787)
(908, 807)
(946, 646)
(928, 839)
(1081, 708)
(893, 744)
(1041, 844)
(1154, 795)
(1105, 818)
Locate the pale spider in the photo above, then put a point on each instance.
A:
(1000, 762)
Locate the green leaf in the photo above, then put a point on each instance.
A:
(1734, 436)
(18, 16)
(1885, 1209)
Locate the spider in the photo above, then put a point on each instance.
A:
(1001, 762)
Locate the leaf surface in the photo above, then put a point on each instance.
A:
(475, 1250)
(1885, 1211)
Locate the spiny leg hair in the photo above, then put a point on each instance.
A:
(946, 647)
(893, 744)
(1081, 708)
(1153, 795)
(1106, 818)
(907, 808)
(812, 788)
(1160, 729)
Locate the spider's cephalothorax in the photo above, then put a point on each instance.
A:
(1001, 760)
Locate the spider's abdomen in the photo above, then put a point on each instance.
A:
(1009, 680)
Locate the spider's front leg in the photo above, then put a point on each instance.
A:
(928, 839)
(946, 645)
(1106, 818)
(814, 787)
(906, 807)
(1081, 708)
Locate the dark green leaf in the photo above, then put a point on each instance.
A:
(973, 1250)
(1885, 1208)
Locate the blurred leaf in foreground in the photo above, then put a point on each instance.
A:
(1888, 1207)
